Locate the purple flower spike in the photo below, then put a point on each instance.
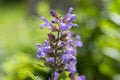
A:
(47, 23)
(59, 50)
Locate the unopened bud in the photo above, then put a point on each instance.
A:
(52, 45)
(54, 20)
(51, 36)
(63, 36)
(53, 14)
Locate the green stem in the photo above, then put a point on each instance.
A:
(56, 48)
(52, 74)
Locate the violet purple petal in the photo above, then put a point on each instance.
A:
(46, 24)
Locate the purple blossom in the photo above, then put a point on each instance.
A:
(52, 12)
(78, 42)
(81, 77)
(72, 67)
(70, 24)
(47, 23)
(62, 25)
(43, 50)
(71, 51)
(67, 57)
(56, 75)
(66, 22)
(68, 15)
(46, 43)
(70, 43)
(66, 26)
(40, 53)
(51, 60)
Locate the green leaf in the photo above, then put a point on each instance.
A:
(37, 78)
(31, 75)
(64, 76)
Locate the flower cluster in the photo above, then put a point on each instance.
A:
(59, 50)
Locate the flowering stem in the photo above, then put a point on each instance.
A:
(56, 48)
(55, 56)
(59, 50)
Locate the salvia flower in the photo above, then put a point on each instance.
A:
(53, 14)
(47, 23)
(72, 67)
(59, 50)
(68, 15)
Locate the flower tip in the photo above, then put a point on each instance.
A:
(78, 37)
(52, 12)
(75, 25)
(43, 17)
(80, 44)
(38, 45)
(74, 16)
(41, 26)
(70, 9)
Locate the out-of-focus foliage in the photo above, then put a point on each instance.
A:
(99, 22)
(99, 27)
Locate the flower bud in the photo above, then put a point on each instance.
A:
(54, 20)
(51, 37)
(63, 37)
(52, 45)
(53, 14)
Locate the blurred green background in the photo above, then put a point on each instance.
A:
(99, 28)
